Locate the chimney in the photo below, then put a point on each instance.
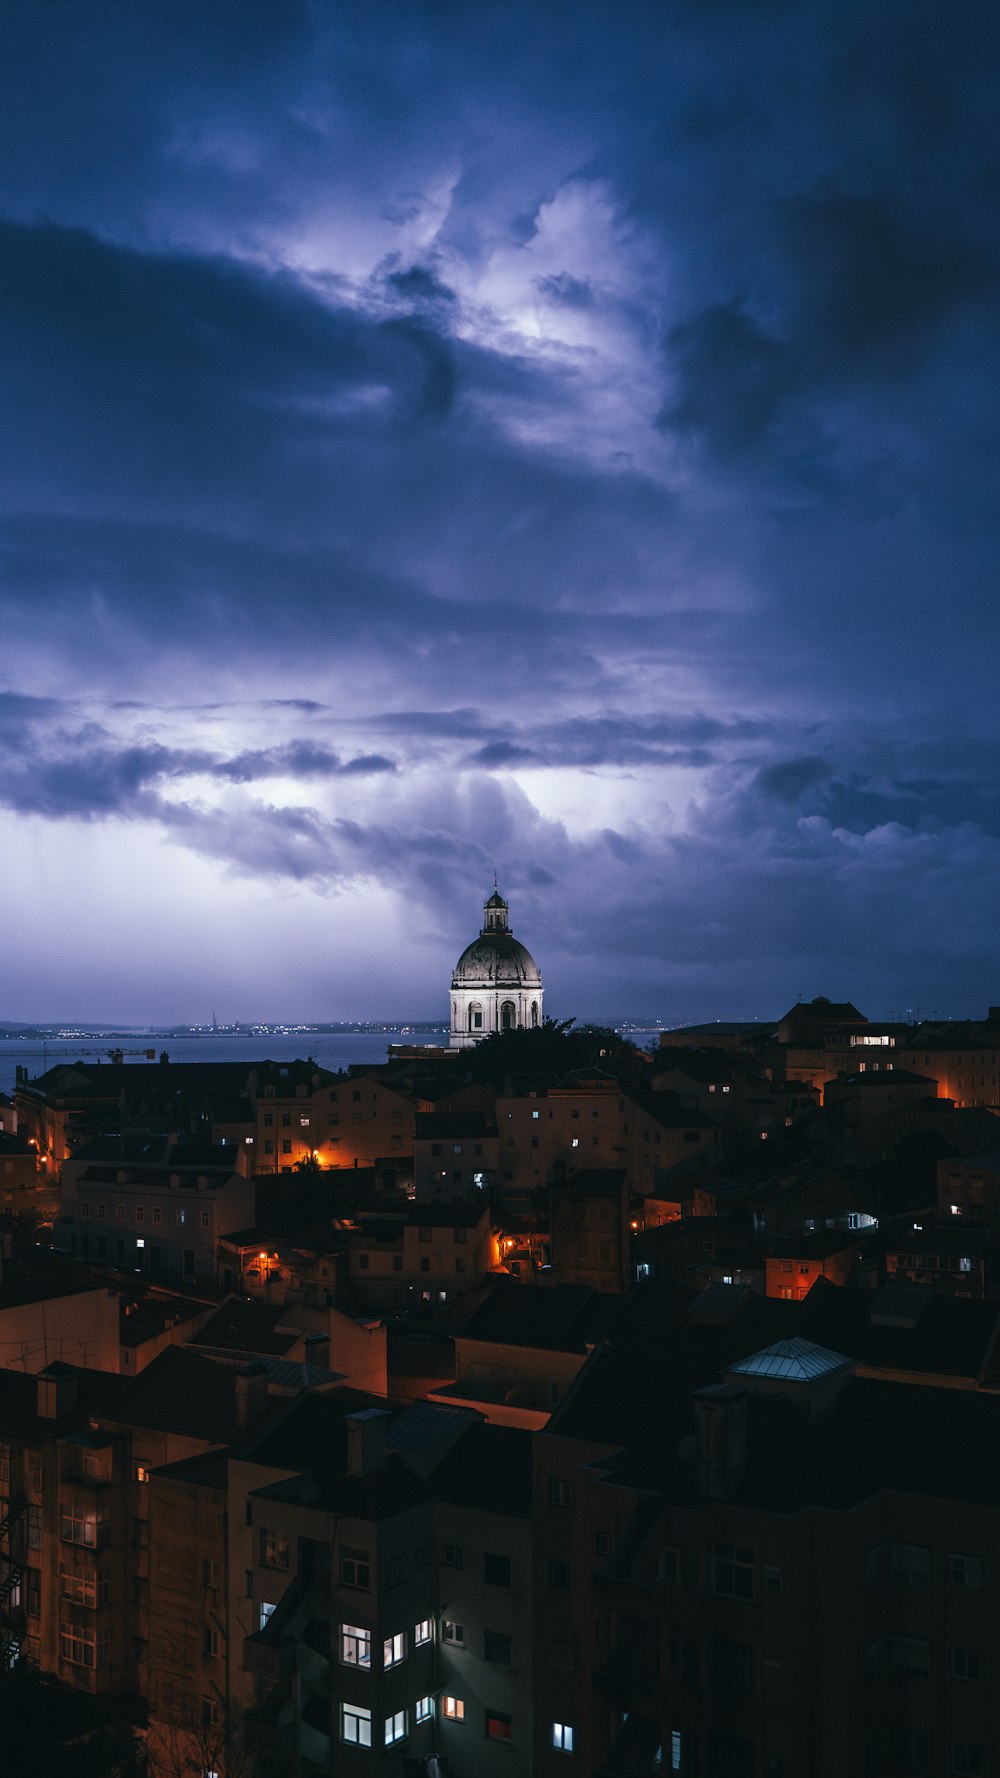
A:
(58, 1390)
(720, 1440)
(251, 1393)
(366, 1441)
(317, 1349)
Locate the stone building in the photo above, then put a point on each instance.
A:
(496, 985)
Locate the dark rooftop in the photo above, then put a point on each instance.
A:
(564, 1318)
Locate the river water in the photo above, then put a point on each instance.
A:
(330, 1049)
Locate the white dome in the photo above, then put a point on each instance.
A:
(496, 984)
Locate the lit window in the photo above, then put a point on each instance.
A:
(273, 1550)
(497, 1726)
(453, 1708)
(562, 1737)
(395, 1728)
(422, 1632)
(141, 1472)
(425, 1709)
(394, 1650)
(266, 1609)
(140, 1242)
(355, 1646)
(356, 1725)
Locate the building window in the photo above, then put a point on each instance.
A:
(80, 1588)
(772, 1580)
(733, 1757)
(210, 1647)
(181, 1218)
(965, 1571)
(394, 1571)
(209, 1713)
(355, 1646)
(968, 1759)
(355, 1570)
(732, 1571)
(78, 1646)
(732, 1666)
(497, 1726)
(908, 1654)
(562, 1737)
(496, 1570)
(286, 1148)
(209, 1572)
(453, 1708)
(77, 1527)
(561, 1575)
(560, 1493)
(453, 1556)
(422, 1632)
(496, 1648)
(156, 1213)
(273, 1550)
(395, 1728)
(140, 1213)
(912, 1749)
(910, 1565)
(394, 1649)
(205, 1219)
(141, 1472)
(356, 1725)
(967, 1663)
(453, 1633)
(424, 1709)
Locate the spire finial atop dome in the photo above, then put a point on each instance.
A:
(495, 911)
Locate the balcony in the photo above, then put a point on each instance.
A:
(629, 1677)
(637, 1753)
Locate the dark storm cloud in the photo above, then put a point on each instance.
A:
(403, 406)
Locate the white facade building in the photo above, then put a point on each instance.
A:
(496, 985)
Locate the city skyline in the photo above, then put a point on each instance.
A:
(441, 440)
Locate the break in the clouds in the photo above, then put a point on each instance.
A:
(440, 438)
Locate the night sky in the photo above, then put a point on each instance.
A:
(557, 438)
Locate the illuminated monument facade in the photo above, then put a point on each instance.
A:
(496, 985)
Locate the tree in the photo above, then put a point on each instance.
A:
(556, 1047)
(55, 1730)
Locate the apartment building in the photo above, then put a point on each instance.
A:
(752, 1559)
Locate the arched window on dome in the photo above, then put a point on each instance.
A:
(475, 1015)
(508, 1016)
(534, 1015)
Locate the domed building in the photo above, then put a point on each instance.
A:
(496, 985)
